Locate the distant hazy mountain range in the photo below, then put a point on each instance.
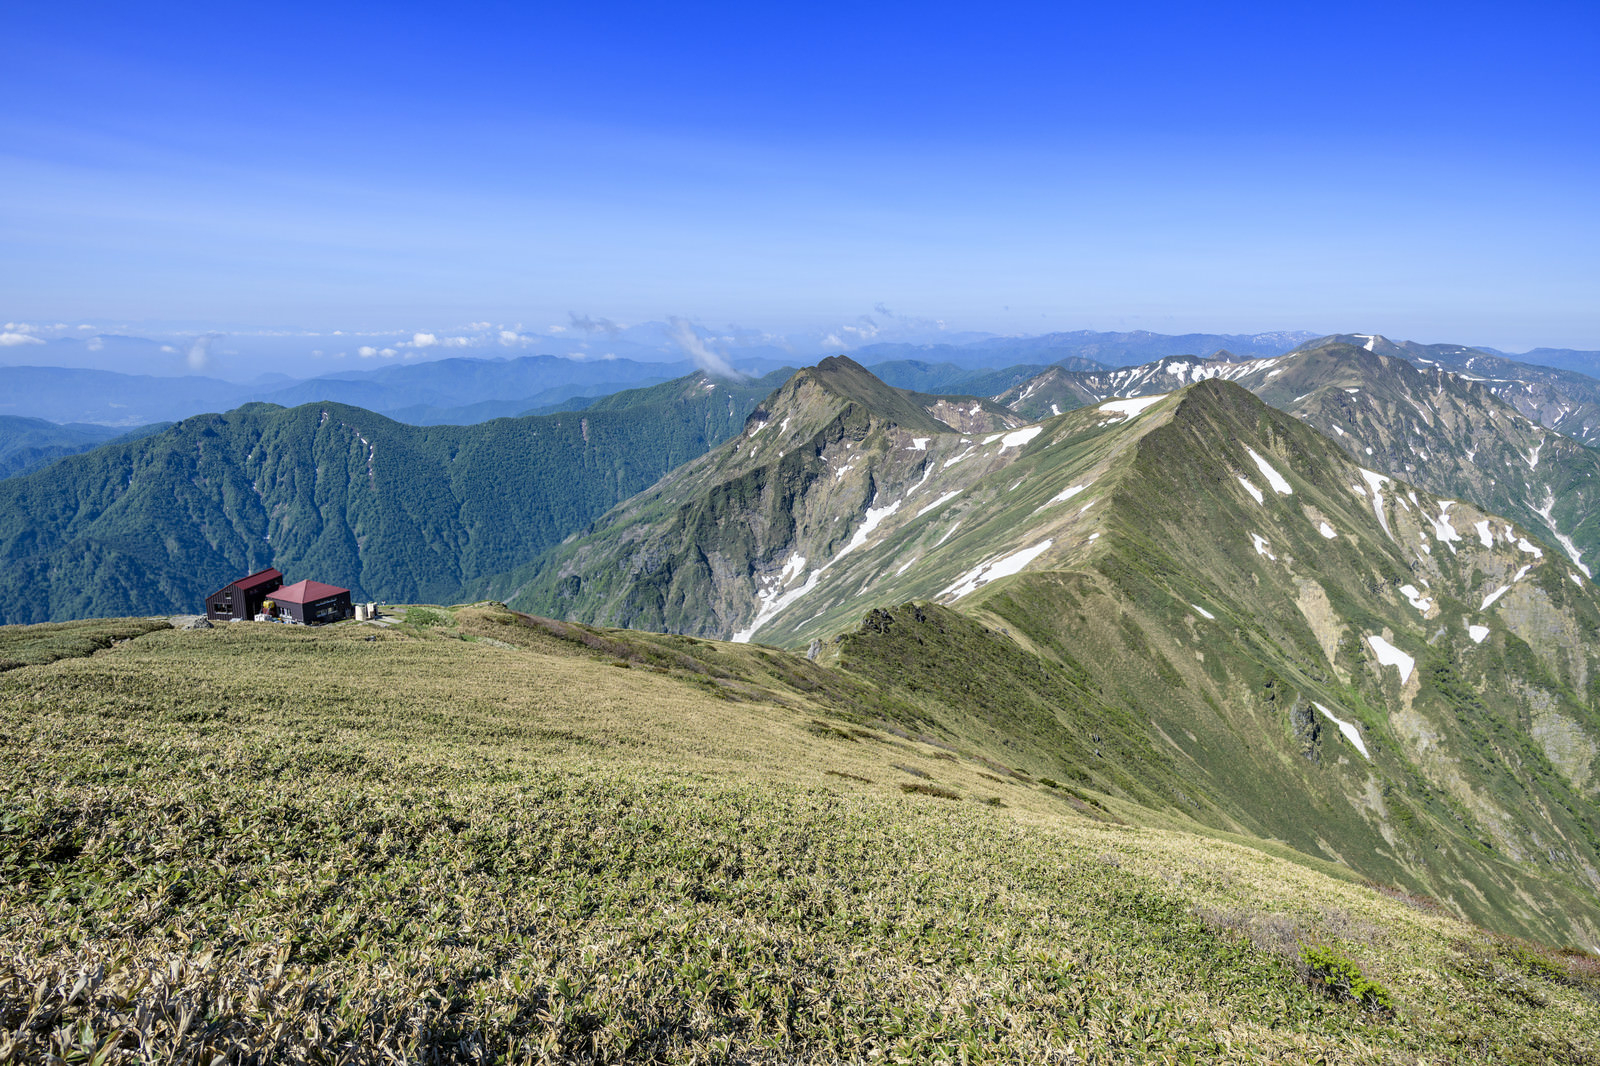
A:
(1106, 349)
(475, 388)
(428, 392)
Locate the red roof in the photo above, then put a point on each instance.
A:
(307, 591)
(260, 577)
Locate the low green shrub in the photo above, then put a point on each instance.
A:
(1343, 979)
(427, 616)
(923, 789)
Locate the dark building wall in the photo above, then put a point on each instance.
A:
(327, 609)
(229, 603)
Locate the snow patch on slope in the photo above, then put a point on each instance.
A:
(946, 498)
(874, 518)
(1275, 479)
(1017, 438)
(1351, 733)
(1562, 539)
(1069, 492)
(1131, 408)
(1418, 600)
(1389, 655)
(991, 571)
(770, 601)
(1376, 481)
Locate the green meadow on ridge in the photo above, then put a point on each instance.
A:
(492, 838)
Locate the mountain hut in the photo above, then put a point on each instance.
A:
(242, 599)
(312, 602)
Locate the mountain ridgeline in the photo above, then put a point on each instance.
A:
(698, 552)
(1192, 601)
(338, 493)
(1400, 410)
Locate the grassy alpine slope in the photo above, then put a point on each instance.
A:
(476, 837)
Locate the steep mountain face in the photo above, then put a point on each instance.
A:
(1399, 412)
(1192, 601)
(1281, 640)
(714, 548)
(1560, 399)
(1060, 389)
(337, 493)
(1450, 434)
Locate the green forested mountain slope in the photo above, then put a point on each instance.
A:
(1195, 602)
(337, 493)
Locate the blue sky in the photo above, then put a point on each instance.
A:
(1424, 171)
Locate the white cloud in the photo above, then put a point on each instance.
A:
(479, 326)
(199, 354)
(433, 340)
(95, 344)
(169, 348)
(863, 329)
(366, 351)
(12, 340)
(711, 362)
(558, 329)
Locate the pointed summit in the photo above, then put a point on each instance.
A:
(826, 391)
